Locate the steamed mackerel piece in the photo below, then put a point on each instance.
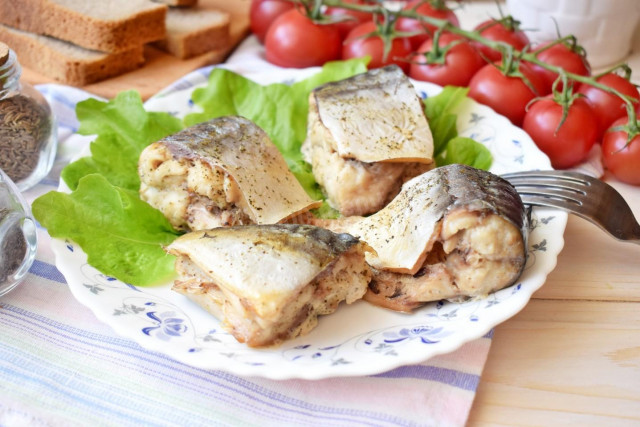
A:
(453, 232)
(367, 135)
(269, 283)
(222, 172)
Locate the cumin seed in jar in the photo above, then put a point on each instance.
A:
(12, 250)
(28, 138)
(24, 127)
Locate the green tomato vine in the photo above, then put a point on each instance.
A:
(511, 56)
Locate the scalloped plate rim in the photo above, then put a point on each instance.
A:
(302, 371)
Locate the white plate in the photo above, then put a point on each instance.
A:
(359, 339)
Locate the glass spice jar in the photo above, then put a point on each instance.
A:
(18, 238)
(28, 131)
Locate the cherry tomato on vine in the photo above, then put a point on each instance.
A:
(566, 144)
(355, 46)
(561, 56)
(461, 62)
(507, 95)
(609, 107)
(294, 40)
(620, 157)
(433, 9)
(263, 13)
(353, 17)
(505, 30)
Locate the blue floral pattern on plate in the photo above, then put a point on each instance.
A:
(359, 339)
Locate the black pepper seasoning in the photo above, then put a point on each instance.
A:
(27, 128)
(13, 248)
(18, 239)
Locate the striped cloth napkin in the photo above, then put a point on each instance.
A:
(59, 365)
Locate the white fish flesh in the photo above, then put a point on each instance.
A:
(269, 283)
(367, 135)
(454, 232)
(222, 172)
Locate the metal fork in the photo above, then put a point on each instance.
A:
(581, 194)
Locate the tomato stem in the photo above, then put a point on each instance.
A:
(564, 97)
(523, 55)
(438, 54)
(316, 12)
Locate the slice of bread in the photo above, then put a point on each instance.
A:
(194, 31)
(66, 62)
(104, 25)
(179, 3)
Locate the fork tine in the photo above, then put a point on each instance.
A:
(551, 195)
(566, 187)
(551, 174)
(580, 194)
(569, 186)
(549, 202)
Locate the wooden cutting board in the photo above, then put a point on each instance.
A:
(160, 68)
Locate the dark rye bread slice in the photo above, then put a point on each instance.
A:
(103, 25)
(66, 62)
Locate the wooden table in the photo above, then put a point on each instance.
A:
(160, 68)
(572, 356)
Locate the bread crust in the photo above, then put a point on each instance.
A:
(45, 55)
(178, 3)
(195, 42)
(46, 17)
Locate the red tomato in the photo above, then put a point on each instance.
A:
(505, 30)
(622, 159)
(264, 12)
(462, 61)
(609, 107)
(293, 40)
(357, 47)
(354, 17)
(507, 95)
(413, 25)
(568, 144)
(564, 57)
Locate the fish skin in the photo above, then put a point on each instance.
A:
(269, 191)
(468, 186)
(451, 233)
(270, 283)
(366, 135)
(375, 116)
(263, 263)
(421, 205)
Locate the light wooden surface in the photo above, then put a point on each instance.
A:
(160, 68)
(572, 356)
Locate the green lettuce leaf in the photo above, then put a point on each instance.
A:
(448, 147)
(280, 109)
(465, 151)
(121, 235)
(124, 129)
